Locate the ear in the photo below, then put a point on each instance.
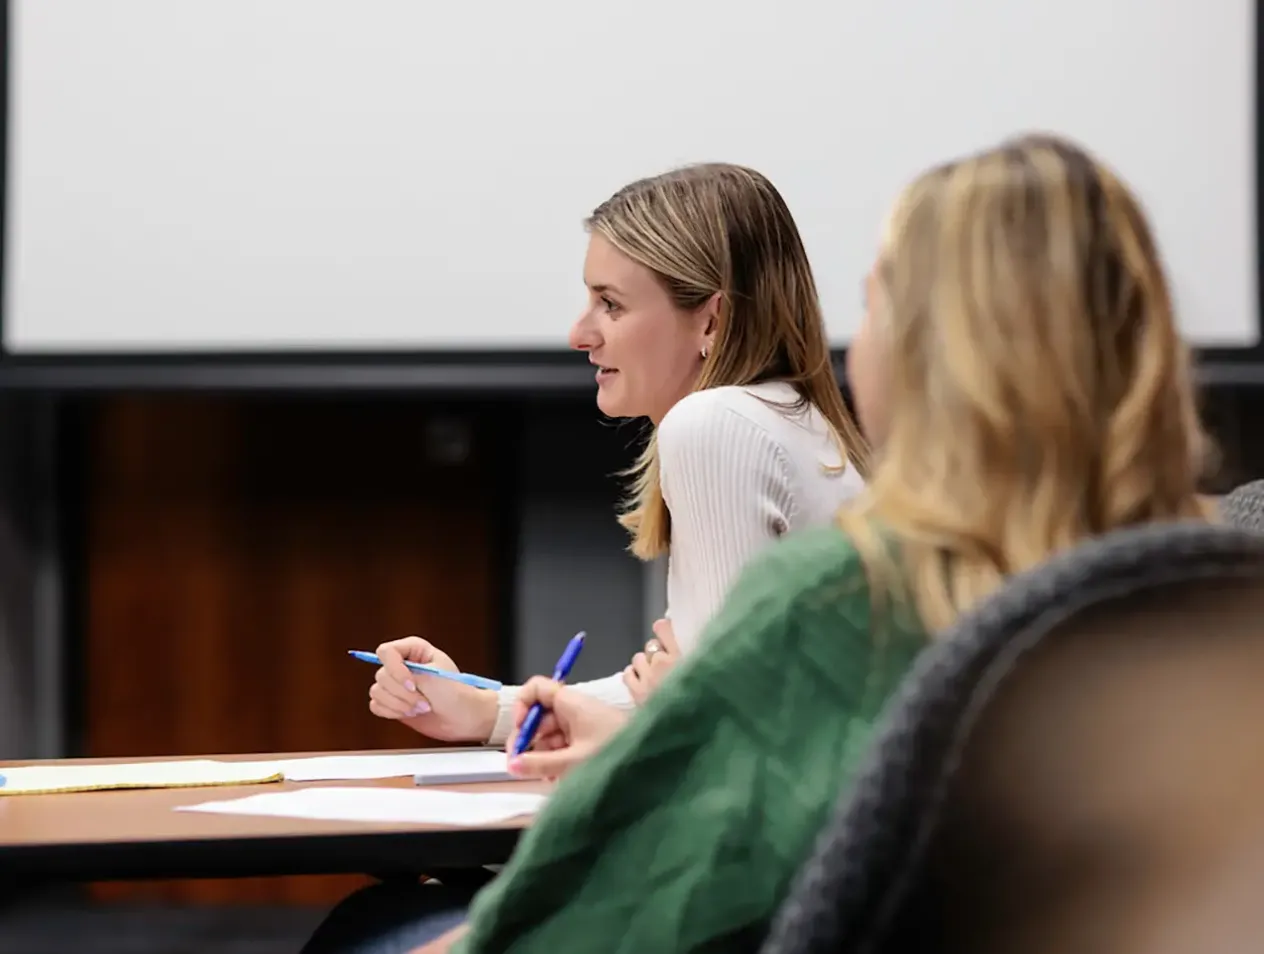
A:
(709, 319)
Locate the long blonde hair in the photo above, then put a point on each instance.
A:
(1039, 391)
(719, 228)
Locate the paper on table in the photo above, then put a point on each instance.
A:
(422, 806)
(183, 773)
(434, 768)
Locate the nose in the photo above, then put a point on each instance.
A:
(584, 335)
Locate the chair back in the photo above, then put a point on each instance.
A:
(1077, 765)
(1244, 506)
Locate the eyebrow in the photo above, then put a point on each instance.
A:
(601, 288)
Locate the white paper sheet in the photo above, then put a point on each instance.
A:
(392, 805)
(438, 767)
(182, 773)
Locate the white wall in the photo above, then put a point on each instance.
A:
(286, 174)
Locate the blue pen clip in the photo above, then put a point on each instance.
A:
(1, 780)
(465, 678)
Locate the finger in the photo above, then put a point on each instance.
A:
(520, 709)
(409, 699)
(386, 706)
(543, 742)
(639, 687)
(546, 743)
(641, 665)
(388, 702)
(391, 714)
(411, 648)
(406, 708)
(636, 685)
(541, 690)
(543, 765)
(549, 725)
(666, 635)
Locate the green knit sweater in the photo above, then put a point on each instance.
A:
(685, 833)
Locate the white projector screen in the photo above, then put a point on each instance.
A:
(336, 175)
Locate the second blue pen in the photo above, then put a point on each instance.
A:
(531, 724)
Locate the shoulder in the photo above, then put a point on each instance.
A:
(806, 603)
(709, 415)
(812, 574)
(719, 422)
(802, 568)
(812, 579)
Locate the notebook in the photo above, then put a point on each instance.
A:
(182, 773)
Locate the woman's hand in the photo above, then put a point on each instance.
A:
(574, 727)
(435, 707)
(647, 669)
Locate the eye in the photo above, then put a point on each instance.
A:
(610, 305)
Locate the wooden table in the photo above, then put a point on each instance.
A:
(118, 835)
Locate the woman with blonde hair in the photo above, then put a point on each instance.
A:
(1022, 379)
(703, 318)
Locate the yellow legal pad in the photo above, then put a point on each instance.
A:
(182, 773)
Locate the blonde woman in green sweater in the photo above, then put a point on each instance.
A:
(1022, 379)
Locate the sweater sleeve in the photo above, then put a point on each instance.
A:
(727, 485)
(685, 832)
(609, 690)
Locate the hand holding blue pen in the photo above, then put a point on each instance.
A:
(478, 682)
(420, 685)
(531, 724)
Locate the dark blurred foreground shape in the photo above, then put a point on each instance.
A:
(1076, 767)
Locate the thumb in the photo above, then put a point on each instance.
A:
(548, 764)
(394, 654)
(666, 636)
(413, 648)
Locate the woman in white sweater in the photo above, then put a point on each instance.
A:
(703, 317)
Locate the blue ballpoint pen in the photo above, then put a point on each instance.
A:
(535, 714)
(478, 682)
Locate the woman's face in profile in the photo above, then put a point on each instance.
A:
(647, 351)
(867, 362)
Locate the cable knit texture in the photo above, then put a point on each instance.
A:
(860, 890)
(739, 467)
(1244, 506)
(685, 832)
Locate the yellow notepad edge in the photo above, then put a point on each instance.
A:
(133, 786)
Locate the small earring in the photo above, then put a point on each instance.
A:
(704, 354)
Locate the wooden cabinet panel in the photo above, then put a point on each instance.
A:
(237, 548)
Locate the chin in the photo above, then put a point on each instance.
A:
(612, 406)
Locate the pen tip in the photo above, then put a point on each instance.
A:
(580, 635)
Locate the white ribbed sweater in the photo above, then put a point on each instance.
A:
(739, 467)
